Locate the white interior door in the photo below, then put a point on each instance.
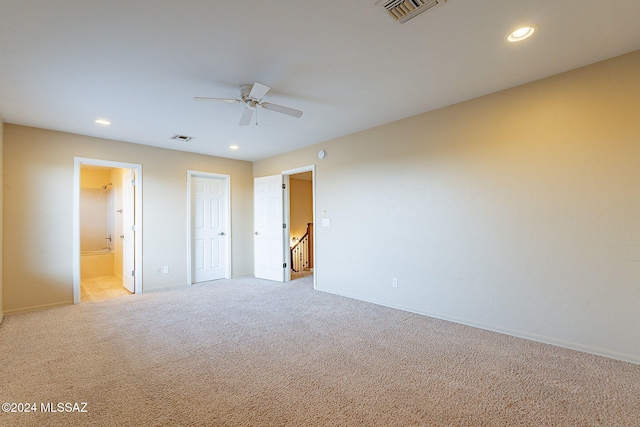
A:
(208, 222)
(268, 230)
(128, 236)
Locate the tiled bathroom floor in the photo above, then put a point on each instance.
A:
(101, 288)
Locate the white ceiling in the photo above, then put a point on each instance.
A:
(345, 63)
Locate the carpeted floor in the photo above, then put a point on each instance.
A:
(248, 352)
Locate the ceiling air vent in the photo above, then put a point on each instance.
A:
(404, 10)
(183, 138)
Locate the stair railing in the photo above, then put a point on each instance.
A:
(302, 251)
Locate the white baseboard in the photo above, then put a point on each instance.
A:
(164, 288)
(243, 276)
(519, 334)
(36, 307)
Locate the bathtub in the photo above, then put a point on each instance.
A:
(96, 264)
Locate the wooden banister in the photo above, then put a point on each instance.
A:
(302, 251)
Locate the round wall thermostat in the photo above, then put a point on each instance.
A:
(322, 154)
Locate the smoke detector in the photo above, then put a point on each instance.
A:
(403, 10)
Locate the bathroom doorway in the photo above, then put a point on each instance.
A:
(107, 224)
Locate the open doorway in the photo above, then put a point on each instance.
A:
(273, 238)
(107, 230)
(299, 215)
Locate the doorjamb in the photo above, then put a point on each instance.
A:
(286, 212)
(137, 242)
(227, 189)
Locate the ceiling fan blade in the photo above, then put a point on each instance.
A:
(245, 119)
(258, 91)
(202, 98)
(281, 109)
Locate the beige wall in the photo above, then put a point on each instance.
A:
(518, 211)
(1, 212)
(38, 179)
(94, 177)
(301, 204)
(94, 208)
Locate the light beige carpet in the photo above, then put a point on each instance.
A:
(257, 353)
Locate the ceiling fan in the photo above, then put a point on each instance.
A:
(251, 96)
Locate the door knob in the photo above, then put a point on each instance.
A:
(256, 233)
(221, 233)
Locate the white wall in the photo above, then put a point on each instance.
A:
(518, 211)
(38, 214)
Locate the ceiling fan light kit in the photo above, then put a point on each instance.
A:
(251, 95)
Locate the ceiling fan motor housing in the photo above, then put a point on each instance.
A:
(245, 90)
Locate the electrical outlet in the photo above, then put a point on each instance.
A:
(166, 269)
(394, 282)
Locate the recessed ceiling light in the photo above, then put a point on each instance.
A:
(103, 122)
(234, 147)
(521, 34)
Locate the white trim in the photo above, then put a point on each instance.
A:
(35, 308)
(227, 189)
(287, 208)
(286, 214)
(506, 331)
(77, 163)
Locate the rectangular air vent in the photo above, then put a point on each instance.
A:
(403, 10)
(184, 138)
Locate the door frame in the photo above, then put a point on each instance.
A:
(227, 197)
(137, 240)
(287, 212)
